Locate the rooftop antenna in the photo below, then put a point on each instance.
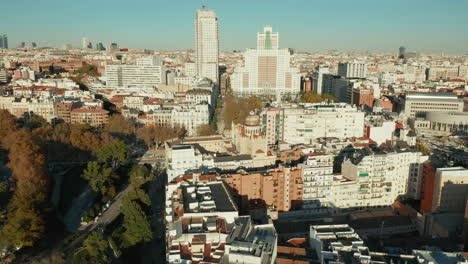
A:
(203, 4)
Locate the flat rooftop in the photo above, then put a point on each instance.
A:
(212, 192)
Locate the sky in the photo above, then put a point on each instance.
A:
(432, 26)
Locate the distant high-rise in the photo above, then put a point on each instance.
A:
(267, 39)
(402, 52)
(352, 70)
(100, 46)
(3, 42)
(267, 69)
(207, 44)
(113, 47)
(86, 43)
(318, 78)
(34, 45)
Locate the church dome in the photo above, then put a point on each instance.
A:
(252, 119)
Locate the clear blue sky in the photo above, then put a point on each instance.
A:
(310, 25)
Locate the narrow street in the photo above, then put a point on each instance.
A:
(154, 252)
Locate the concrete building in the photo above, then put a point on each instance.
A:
(306, 123)
(436, 73)
(85, 43)
(352, 70)
(3, 76)
(450, 190)
(252, 244)
(182, 159)
(439, 257)
(207, 44)
(277, 189)
(63, 111)
(147, 72)
(363, 96)
(92, 116)
(199, 215)
(3, 41)
(338, 244)
(416, 104)
(441, 123)
(20, 107)
(340, 87)
(318, 78)
(385, 175)
(267, 70)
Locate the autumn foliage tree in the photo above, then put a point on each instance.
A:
(237, 109)
(206, 130)
(311, 97)
(118, 124)
(155, 136)
(27, 208)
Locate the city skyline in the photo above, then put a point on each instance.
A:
(305, 25)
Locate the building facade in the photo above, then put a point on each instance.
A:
(207, 44)
(267, 69)
(417, 104)
(147, 72)
(304, 124)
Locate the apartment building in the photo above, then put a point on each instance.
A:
(281, 189)
(147, 72)
(20, 107)
(249, 243)
(384, 174)
(306, 123)
(95, 117)
(200, 216)
(352, 70)
(450, 190)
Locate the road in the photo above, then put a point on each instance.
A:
(155, 252)
(110, 214)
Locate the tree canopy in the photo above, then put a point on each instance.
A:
(236, 110)
(311, 97)
(114, 154)
(118, 124)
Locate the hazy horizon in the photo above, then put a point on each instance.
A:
(305, 25)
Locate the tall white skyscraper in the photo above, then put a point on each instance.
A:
(85, 43)
(267, 69)
(207, 44)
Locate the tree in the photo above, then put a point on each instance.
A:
(423, 148)
(113, 154)
(328, 97)
(311, 97)
(136, 224)
(138, 175)
(120, 125)
(95, 247)
(7, 124)
(24, 227)
(231, 111)
(253, 103)
(26, 210)
(98, 176)
(148, 135)
(206, 130)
